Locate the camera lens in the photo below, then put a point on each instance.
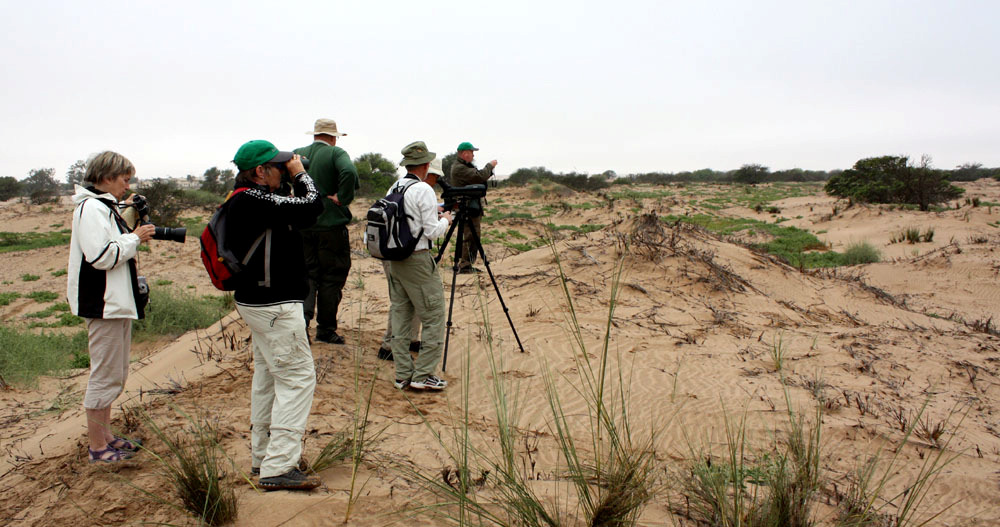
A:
(170, 234)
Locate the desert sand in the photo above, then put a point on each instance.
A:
(692, 331)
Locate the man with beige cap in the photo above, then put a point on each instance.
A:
(326, 244)
(414, 283)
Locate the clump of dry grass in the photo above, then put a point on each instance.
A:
(192, 464)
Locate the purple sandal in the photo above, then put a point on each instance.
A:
(113, 455)
(127, 445)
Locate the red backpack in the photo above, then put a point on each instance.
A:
(225, 267)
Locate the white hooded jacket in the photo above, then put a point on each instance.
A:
(101, 277)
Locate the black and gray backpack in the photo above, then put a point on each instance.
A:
(388, 235)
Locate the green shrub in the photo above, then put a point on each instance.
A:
(862, 253)
(25, 355)
(201, 198)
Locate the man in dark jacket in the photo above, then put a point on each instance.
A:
(463, 172)
(266, 224)
(327, 245)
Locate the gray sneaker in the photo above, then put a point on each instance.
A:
(430, 383)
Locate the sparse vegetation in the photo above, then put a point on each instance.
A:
(42, 296)
(25, 241)
(172, 313)
(25, 355)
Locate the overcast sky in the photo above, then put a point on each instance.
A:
(627, 85)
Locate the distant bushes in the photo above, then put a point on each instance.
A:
(573, 180)
(893, 179)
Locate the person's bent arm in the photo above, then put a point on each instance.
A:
(434, 226)
(102, 245)
(348, 179)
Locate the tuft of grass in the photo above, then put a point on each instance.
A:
(865, 502)
(777, 351)
(42, 296)
(59, 307)
(28, 277)
(336, 450)
(59, 272)
(771, 488)
(192, 464)
(24, 356)
(172, 313)
(861, 253)
(6, 297)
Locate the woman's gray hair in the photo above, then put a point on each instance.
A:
(245, 178)
(106, 166)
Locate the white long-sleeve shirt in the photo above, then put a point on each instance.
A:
(420, 204)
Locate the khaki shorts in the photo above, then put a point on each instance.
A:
(110, 341)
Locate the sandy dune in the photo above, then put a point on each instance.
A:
(692, 330)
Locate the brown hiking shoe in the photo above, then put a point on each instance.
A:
(292, 480)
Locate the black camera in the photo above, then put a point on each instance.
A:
(286, 178)
(457, 196)
(174, 234)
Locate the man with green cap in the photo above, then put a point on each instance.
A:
(414, 283)
(262, 226)
(327, 245)
(463, 173)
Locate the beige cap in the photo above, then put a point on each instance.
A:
(436, 167)
(326, 126)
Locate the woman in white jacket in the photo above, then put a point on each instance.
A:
(102, 287)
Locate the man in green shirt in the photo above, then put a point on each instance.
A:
(327, 245)
(463, 173)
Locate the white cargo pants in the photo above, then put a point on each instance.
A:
(283, 383)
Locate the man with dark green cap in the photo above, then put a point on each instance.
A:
(414, 283)
(326, 244)
(463, 172)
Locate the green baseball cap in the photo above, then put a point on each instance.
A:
(257, 152)
(466, 146)
(416, 153)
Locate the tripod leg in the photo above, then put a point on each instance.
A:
(478, 246)
(459, 224)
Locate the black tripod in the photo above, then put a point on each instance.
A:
(463, 218)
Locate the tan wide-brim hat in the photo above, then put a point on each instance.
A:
(326, 126)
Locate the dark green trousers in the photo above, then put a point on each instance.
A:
(328, 263)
